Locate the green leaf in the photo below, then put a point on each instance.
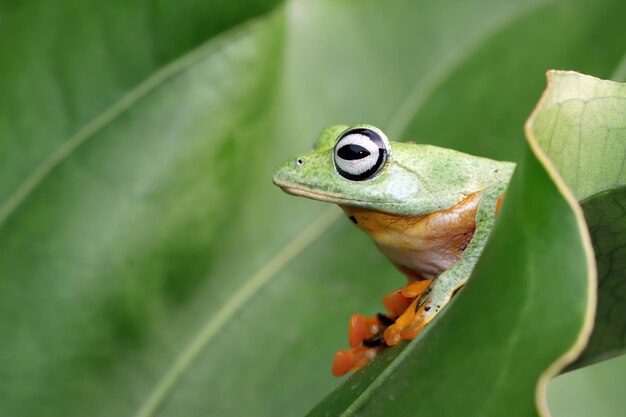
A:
(606, 218)
(581, 124)
(147, 264)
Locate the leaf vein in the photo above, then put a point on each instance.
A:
(67, 148)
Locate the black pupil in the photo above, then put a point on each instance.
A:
(351, 152)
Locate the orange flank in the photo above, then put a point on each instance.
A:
(420, 246)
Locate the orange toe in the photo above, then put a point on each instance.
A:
(415, 288)
(407, 317)
(352, 360)
(362, 328)
(392, 335)
(358, 330)
(396, 303)
(416, 326)
(342, 363)
(364, 355)
(410, 332)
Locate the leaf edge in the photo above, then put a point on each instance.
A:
(578, 346)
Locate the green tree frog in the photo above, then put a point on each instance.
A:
(428, 209)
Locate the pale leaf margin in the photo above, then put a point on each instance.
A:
(585, 332)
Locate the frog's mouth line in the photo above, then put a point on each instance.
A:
(301, 192)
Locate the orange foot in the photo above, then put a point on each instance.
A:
(408, 325)
(354, 359)
(368, 336)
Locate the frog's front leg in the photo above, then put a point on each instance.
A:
(366, 334)
(369, 330)
(423, 309)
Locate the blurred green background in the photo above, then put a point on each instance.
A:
(145, 264)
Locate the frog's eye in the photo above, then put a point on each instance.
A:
(360, 153)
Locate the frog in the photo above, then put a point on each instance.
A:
(429, 210)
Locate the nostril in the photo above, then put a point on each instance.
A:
(299, 161)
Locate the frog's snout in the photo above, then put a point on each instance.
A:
(288, 171)
(286, 176)
(277, 180)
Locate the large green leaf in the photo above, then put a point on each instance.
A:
(581, 125)
(147, 264)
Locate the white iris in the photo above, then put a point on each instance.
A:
(357, 166)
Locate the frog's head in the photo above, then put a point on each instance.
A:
(358, 166)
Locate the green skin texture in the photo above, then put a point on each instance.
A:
(416, 180)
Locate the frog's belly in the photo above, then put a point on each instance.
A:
(426, 245)
(424, 257)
